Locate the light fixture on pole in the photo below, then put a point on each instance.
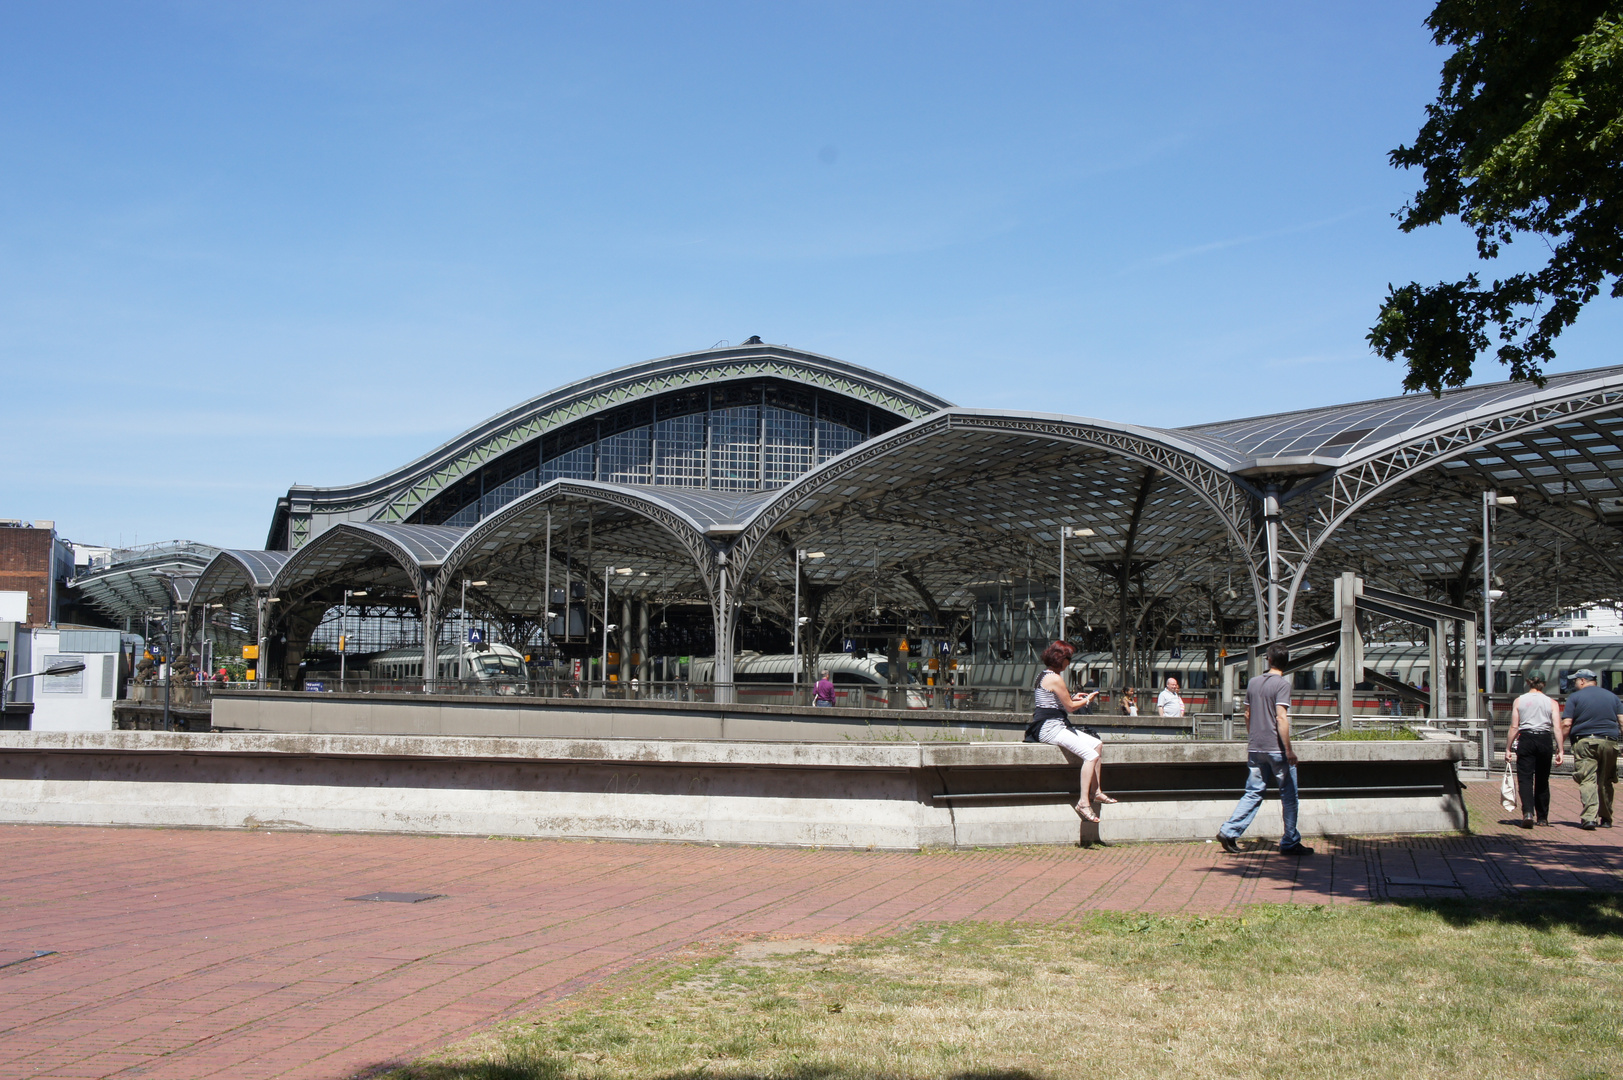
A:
(1491, 501)
(462, 647)
(623, 571)
(1065, 532)
(801, 555)
(343, 637)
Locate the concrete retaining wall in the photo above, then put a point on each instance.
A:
(887, 795)
(577, 718)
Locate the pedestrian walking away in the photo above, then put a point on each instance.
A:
(1270, 758)
(1533, 744)
(1593, 719)
(1050, 723)
(823, 695)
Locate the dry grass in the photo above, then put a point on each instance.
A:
(1528, 988)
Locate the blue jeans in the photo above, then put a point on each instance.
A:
(1266, 769)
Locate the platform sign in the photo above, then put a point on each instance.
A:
(318, 687)
(850, 645)
(250, 652)
(946, 648)
(1177, 653)
(476, 636)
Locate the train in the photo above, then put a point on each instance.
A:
(768, 680)
(492, 663)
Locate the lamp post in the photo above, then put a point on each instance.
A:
(623, 571)
(801, 555)
(343, 637)
(462, 645)
(1491, 500)
(1064, 532)
(72, 667)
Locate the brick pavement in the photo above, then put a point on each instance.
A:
(192, 954)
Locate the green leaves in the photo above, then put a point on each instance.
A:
(1523, 139)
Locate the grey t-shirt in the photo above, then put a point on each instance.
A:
(1262, 694)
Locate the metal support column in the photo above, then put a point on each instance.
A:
(721, 606)
(1270, 517)
(1470, 681)
(1349, 649)
(428, 603)
(1439, 669)
(645, 663)
(625, 639)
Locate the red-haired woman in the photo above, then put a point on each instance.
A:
(1050, 723)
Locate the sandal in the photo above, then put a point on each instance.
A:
(1086, 813)
(1101, 797)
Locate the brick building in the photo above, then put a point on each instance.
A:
(34, 561)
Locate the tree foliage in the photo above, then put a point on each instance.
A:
(1522, 141)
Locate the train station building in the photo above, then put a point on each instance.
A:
(700, 502)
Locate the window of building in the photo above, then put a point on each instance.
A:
(624, 458)
(679, 446)
(735, 447)
(788, 449)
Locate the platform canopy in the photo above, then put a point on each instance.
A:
(135, 582)
(1239, 525)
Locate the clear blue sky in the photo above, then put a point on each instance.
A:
(243, 246)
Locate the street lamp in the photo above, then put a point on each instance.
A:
(72, 667)
(343, 636)
(623, 571)
(801, 555)
(1491, 500)
(1064, 532)
(461, 662)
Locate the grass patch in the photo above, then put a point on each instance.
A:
(1396, 732)
(1530, 987)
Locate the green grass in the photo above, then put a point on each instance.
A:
(1528, 988)
(1394, 733)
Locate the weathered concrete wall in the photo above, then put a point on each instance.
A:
(890, 795)
(574, 718)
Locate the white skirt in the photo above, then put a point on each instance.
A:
(1057, 733)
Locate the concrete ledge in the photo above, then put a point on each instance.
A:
(575, 718)
(838, 794)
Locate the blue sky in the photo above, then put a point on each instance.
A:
(243, 246)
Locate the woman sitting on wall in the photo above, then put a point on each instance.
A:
(1050, 723)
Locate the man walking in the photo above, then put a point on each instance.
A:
(1270, 758)
(1594, 719)
(1170, 703)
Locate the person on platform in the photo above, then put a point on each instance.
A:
(1170, 702)
(823, 693)
(1129, 701)
(1533, 743)
(1050, 723)
(1270, 758)
(1593, 719)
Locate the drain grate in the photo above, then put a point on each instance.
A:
(1430, 883)
(397, 897)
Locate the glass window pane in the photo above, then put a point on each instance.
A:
(623, 458)
(788, 445)
(834, 439)
(735, 440)
(679, 444)
(575, 465)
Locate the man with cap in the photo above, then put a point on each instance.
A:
(1593, 719)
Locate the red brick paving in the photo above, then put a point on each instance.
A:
(186, 955)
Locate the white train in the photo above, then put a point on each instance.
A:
(768, 680)
(480, 663)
